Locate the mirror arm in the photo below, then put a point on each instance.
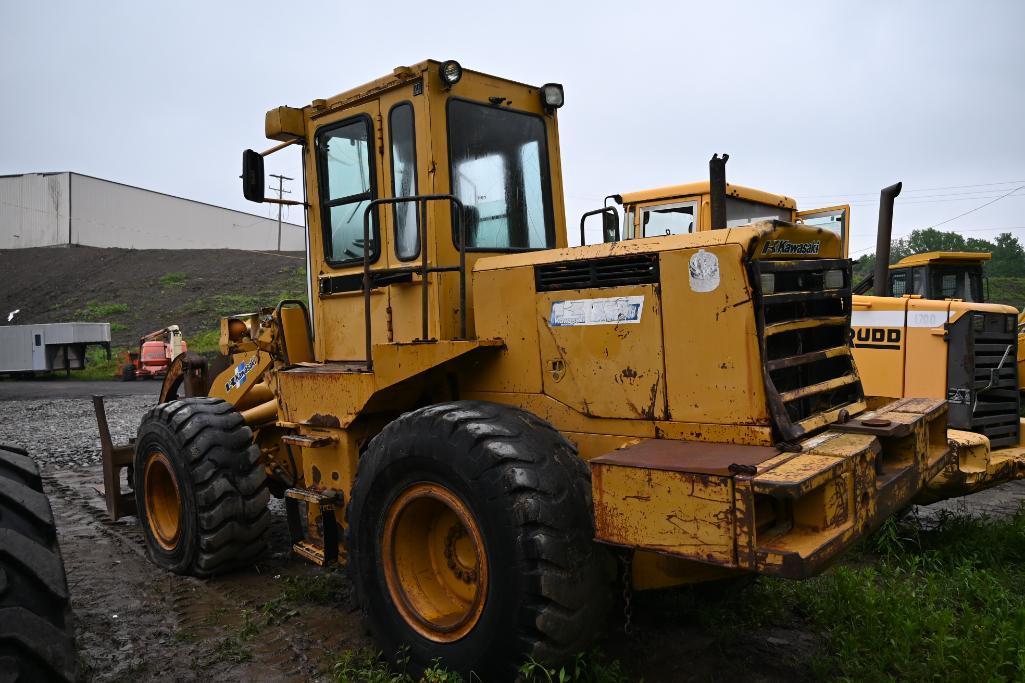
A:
(286, 202)
(275, 148)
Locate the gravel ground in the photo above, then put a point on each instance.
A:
(62, 434)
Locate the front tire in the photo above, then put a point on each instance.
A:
(36, 633)
(200, 488)
(471, 540)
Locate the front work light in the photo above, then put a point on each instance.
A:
(451, 72)
(768, 283)
(833, 279)
(552, 95)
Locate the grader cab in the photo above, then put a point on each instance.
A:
(908, 319)
(478, 420)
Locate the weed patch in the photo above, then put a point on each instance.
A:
(96, 310)
(918, 612)
(173, 280)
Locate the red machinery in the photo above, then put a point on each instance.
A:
(156, 351)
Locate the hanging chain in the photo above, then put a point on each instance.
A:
(627, 560)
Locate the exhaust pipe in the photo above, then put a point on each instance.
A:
(717, 189)
(881, 279)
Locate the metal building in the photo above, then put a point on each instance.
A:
(50, 346)
(52, 209)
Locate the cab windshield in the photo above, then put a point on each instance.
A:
(499, 170)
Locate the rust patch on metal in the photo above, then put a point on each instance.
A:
(318, 420)
(688, 456)
(316, 474)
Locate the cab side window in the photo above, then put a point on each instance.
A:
(403, 180)
(899, 283)
(347, 187)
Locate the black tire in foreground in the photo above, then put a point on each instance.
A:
(470, 539)
(36, 633)
(200, 488)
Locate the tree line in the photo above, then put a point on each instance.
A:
(1008, 255)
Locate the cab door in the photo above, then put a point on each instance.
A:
(834, 218)
(348, 167)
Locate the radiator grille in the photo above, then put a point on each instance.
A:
(983, 376)
(804, 318)
(614, 271)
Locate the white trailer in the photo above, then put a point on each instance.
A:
(49, 347)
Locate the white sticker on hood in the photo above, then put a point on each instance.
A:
(704, 271)
(611, 311)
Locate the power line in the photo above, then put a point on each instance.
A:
(921, 189)
(981, 206)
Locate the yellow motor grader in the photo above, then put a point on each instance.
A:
(479, 420)
(920, 327)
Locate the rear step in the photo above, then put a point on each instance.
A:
(319, 544)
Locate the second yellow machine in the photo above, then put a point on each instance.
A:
(480, 421)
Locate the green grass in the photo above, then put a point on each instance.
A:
(173, 280)
(97, 367)
(204, 342)
(96, 310)
(118, 327)
(943, 604)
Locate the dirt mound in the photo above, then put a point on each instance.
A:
(138, 291)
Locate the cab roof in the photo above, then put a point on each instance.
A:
(703, 187)
(957, 258)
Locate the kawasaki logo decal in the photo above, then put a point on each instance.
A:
(786, 247)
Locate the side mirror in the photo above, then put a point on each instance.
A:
(252, 176)
(609, 224)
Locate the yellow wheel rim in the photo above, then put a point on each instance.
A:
(435, 562)
(163, 501)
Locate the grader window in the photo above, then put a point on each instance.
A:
(347, 186)
(499, 170)
(403, 180)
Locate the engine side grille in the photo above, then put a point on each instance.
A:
(641, 269)
(804, 332)
(982, 377)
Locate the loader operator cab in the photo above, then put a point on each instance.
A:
(482, 155)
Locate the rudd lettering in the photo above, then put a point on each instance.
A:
(876, 337)
(786, 247)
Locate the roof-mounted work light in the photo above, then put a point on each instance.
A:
(552, 96)
(450, 72)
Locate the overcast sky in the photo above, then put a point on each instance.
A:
(827, 102)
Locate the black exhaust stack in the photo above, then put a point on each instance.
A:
(717, 189)
(881, 279)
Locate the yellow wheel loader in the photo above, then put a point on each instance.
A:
(479, 421)
(925, 331)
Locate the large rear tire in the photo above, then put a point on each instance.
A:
(200, 488)
(128, 372)
(36, 632)
(470, 539)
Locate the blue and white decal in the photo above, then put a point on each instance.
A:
(242, 371)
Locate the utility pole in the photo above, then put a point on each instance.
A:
(280, 189)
